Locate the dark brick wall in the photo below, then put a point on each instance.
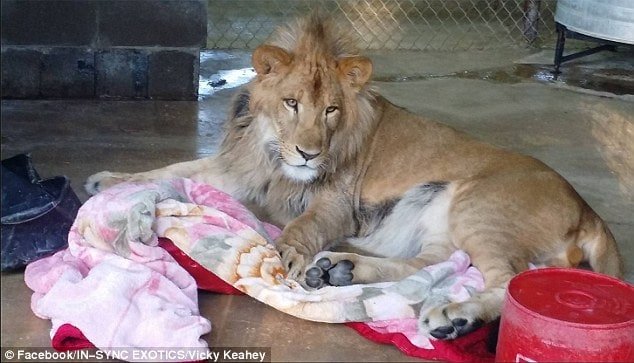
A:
(21, 73)
(67, 73)
(170, 73)
(52, 23)
(111, 48)
(153, 23)
(122, 73)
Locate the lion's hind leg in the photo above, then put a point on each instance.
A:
(452, 320)
(342, 268)
(403, 240)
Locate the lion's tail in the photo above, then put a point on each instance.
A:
(599, 246)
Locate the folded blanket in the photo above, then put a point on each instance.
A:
(226, 239)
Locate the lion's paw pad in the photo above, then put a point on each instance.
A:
(325, 273)
(458, 327)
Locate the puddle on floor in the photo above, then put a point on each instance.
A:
(223, 79)
(222, 70)
(617, 80)
(613, 80)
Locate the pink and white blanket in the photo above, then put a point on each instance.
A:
(120, 289)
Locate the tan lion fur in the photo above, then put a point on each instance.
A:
(313, 147)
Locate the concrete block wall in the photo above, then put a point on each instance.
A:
(142, 49)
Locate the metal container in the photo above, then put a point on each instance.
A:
(604, 19)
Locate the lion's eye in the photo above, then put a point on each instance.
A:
(291, 102)
(331, 109)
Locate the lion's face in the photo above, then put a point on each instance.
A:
(306, 101)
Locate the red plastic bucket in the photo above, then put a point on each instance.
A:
(566, 315)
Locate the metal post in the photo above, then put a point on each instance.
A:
(531, 20)
(559, 50)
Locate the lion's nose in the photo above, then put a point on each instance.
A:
(306, 155)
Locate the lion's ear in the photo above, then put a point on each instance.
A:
(356, 70)
(268, 58)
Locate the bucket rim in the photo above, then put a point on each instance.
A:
(606, 326)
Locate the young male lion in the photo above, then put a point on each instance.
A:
(309, 143)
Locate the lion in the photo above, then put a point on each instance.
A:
(369, 192)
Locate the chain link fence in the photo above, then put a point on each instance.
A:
(393, 24)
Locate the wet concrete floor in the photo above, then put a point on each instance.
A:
(583, 129)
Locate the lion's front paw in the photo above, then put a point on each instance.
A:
(104, 180)
(292, 260)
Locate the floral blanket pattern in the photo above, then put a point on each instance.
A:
(227, 239)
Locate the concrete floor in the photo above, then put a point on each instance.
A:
(585, 134)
